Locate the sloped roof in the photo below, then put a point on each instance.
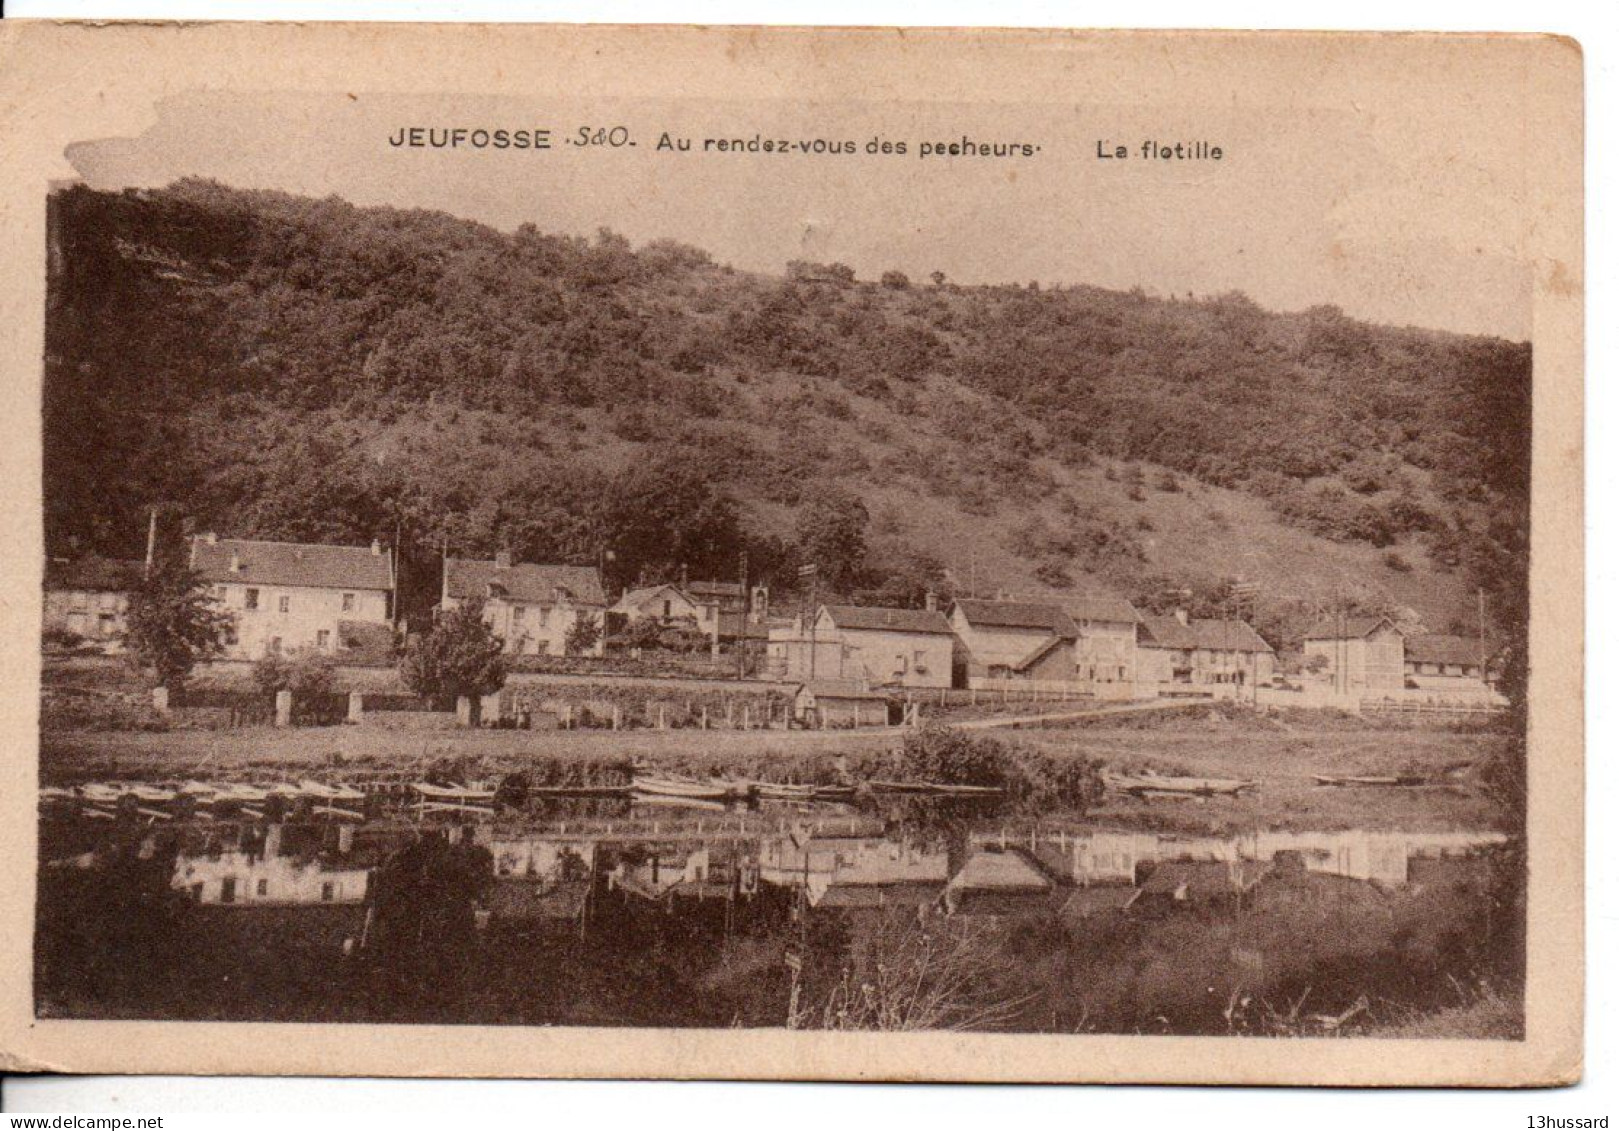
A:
(634, 597)
(1101, 607)
(93, 575)
(1438, 648)
(999, 871)
(470, 579)
(1211, 635)
(292, 563)
(906, 893)
(1347, 628)
(1039, 653)
(1018, 614)
(860, 617)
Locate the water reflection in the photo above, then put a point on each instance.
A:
(605, 911)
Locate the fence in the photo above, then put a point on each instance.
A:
(1430, 707)
(224, 709)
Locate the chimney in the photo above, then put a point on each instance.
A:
(376, 548)
(503, 559)
(1180, 615)
(930, 601)
(211, 538)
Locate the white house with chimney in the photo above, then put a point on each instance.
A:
(531, 607)
(286, 596)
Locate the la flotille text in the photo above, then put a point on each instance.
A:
(1151, 150)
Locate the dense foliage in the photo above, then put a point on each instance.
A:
(306, 369)
(173, 624)
(460, 656)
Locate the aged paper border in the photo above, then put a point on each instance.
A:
(62, 82)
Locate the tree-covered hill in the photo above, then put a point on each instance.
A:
(285, 367)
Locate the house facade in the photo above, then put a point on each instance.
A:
(1353, 654)
(890, 647)
(531, 607)
(670, 604)
(1223, 657)
(1105, 652)
(285, 596)
(1438, 662)
(1005, 642)
(89, 597)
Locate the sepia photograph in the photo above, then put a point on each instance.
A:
(1033, 564)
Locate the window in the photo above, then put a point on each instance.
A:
(545, 617)
(667, 613)
(517, 614)
(262, 888)
(227, 890)
(348, 602)
(328, 892)
(323, 638)
(284, 604)
(252, 599)
(275, 645)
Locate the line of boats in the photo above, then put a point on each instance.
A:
(162, 800)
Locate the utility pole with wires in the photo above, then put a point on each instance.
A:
(746, 617)
(810, 573)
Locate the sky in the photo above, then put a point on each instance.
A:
(1402, 212)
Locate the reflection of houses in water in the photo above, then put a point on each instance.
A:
(545, 857)
(1384, 857)
(997, 883)
(664, 872)
(539, 881)
(248, 879)
(855, 871)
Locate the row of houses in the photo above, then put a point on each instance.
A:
(286, 596)
(342, 600)
(1099, 646)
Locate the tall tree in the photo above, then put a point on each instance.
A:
(174, 623)
(460, 656)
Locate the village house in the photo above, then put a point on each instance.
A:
(1105, 653)
(1356, 654)
(1437, 662)
(1223, 657)
(285, 596)
(887, 647)
(671, 604)
(1000, 642)
(531, 607)
(837, 704)
(744, 612)
(89, 597)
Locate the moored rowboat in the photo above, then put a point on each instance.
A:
(658, 786)
(1144, 784)
(432, 792)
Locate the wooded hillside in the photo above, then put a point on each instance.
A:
(283, 367)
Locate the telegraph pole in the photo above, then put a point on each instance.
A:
(813, 573)
(747, 617)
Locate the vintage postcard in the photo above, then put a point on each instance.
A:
(796, 554)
